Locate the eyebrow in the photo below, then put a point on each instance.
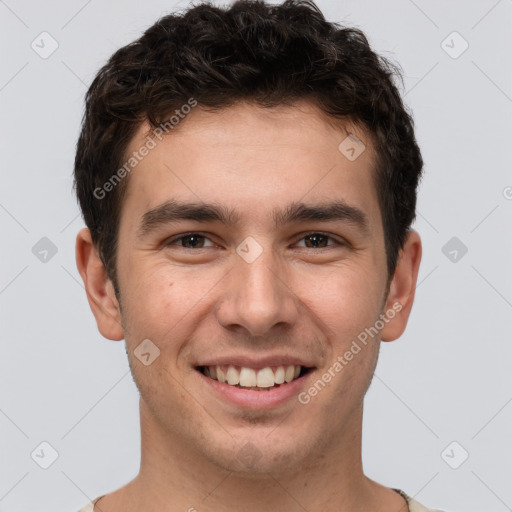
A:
(174, 211)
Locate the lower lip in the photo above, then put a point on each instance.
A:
(252, 399)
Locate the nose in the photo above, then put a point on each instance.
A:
(258, 296)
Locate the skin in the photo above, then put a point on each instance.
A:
(295, 298)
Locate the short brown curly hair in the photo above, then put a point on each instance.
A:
(251, 51)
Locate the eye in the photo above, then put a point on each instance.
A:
(320, 240)
(313, 240)
(190, 241)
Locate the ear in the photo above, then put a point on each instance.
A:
(98, 287)
(402, 288)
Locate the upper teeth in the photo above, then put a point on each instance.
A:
(249, 377)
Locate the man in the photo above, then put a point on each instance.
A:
(248, 180)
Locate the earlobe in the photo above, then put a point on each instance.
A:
(402, 288)
(98, 287)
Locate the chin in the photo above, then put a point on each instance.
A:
(255, 456)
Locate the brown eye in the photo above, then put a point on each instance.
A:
(319, 241)
(190, 241)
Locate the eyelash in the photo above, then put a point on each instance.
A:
(306, 235)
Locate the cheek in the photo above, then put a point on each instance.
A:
(345, 298)
(162, 301)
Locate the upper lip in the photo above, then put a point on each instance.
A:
(256, 362)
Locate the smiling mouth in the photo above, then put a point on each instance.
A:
(255, 379)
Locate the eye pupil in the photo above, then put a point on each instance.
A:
(316, 237)
(192, 237)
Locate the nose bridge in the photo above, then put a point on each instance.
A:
(258, 297)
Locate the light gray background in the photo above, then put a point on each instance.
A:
(447, 379)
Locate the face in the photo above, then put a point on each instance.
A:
(270, 269)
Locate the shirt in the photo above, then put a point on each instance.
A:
(414, 506)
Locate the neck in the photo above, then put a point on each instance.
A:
(175, 476)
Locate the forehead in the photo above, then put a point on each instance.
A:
(250, 157)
